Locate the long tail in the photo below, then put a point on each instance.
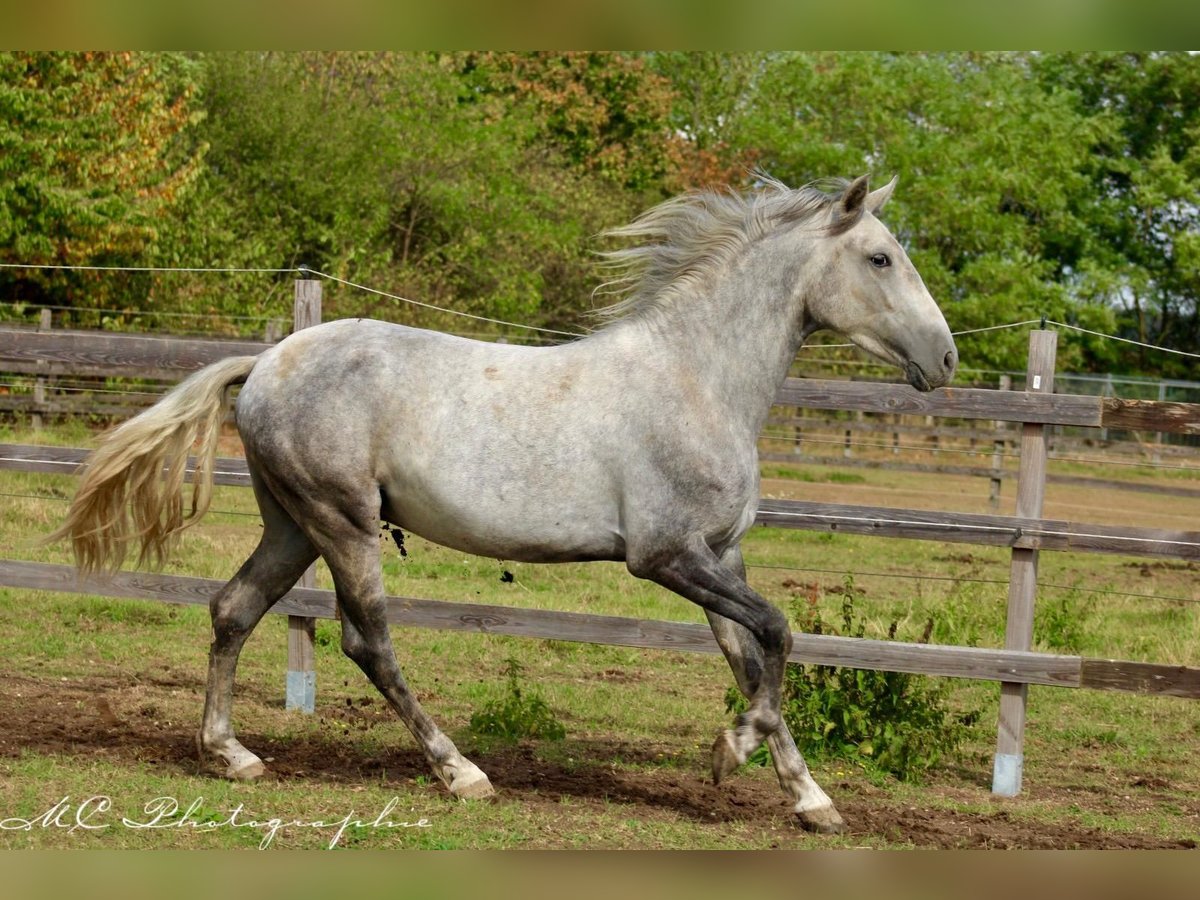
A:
(132, 487)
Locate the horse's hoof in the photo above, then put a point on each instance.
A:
(247, 771)
(472, 786)
(234, 762)
(724, 757)
(822, 820)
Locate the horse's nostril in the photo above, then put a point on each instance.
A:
(949, 361)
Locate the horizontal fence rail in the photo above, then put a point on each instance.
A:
(1146, 487)
(973, 528)
(881, 521)
(862, 653)
(1002, 406)
(126, 355)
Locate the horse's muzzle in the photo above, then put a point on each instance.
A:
(925, 381)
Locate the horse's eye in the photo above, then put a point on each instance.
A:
(880, 261)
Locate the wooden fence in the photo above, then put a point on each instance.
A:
(1027, 533)
(811, 434)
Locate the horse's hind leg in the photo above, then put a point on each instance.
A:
(813, 808)
(351, 549)
(282, 555)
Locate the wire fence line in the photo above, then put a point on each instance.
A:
(87, 389)
(307, 270)
(969, 451)
(57, 499)
(166, 314)
(967, 580)
(1015, 530)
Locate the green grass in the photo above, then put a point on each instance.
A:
(810, 476)
(638, 723)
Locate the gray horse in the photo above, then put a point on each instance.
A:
(635, 443)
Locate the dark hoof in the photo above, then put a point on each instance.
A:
(824, 820)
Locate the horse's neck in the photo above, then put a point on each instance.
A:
(737, 336)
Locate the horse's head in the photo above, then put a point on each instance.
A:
(871, 292)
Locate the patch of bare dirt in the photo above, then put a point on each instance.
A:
(104, 717)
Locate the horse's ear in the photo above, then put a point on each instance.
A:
(855, 196)
(876, 199)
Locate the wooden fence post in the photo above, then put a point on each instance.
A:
(999, 445)
(1022, 586)
(302, 671)
(39, 383)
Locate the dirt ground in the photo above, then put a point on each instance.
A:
(100, 719)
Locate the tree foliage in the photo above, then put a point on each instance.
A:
(1142, 207)
(95, 151)
(1061, 185)
(991, 169)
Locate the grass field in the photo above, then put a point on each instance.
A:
(102, 697)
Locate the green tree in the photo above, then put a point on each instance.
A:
(1141, 255)
(386, 169)
(992, 166)
(602, 112)
(95, 148)
(712, 94)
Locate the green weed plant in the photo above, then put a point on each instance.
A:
(889, 722)
(520, 713)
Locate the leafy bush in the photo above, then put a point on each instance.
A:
(890, 721)
(519, 714)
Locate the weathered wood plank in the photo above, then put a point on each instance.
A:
(91, 353)
(1022, 582)
(977, 528)
(834, 427)
(76, 405)
(1140, 677)
(62, 352)
(1173, 489)
(66, 461)
(930, 659)
(301, 689)
(936, 659)
(1150, 415)
(960, 403)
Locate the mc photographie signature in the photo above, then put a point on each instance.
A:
(96, 814)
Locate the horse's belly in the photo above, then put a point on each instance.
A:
(507, 522)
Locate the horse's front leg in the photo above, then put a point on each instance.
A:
(694, 571)
(813, 808)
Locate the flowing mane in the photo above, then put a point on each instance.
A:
(682, 241)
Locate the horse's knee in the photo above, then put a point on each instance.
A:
(776, 633)
(232, 618)
(762, 720)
